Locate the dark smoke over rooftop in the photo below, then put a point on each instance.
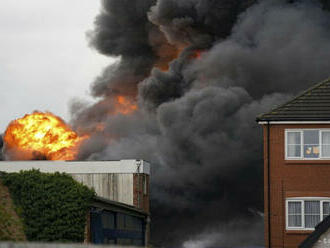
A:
(201, 70)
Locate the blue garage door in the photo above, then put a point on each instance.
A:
(116, 228)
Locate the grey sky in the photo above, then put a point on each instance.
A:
(44, 57)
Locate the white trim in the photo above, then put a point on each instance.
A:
(292, 122)
(287, 215)
(79, 167)
(301, 130)
(301, 144)
(302, 200)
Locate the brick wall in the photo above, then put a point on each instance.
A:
(141, 191)
(290, 179)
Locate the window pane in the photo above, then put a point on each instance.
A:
(108, 220)
(311, 151)
(326, 137)
(312, 213)
(311, 144)
(311, 220)
(294, 207)
(121, 221)
(294, 151)
(325, 150)
(311, 137)
(294, 221)
(326, 209)
(312, 207)
(293, 138)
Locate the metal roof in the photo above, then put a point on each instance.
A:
(79, 167)
(311, 105)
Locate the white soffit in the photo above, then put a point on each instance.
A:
(292, 122)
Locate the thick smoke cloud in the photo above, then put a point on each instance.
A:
(233, 234)
(196, 120)
(194, 21)
(122, 29)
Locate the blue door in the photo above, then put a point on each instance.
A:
(109, 227)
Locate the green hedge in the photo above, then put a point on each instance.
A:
(53, 206)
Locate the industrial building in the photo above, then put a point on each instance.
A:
(119, 213)
(297, 168)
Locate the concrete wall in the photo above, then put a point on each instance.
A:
(116, 187)
(56, 245)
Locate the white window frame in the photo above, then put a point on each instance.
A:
(302, 200)
(301, 131)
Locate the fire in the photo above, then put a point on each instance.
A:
(43, 134)
(124, 105)
(197, 54)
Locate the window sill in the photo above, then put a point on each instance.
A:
(308, 161)
(301, 232)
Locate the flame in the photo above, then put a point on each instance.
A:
(44, 134)
(197, 54)
(124, 105)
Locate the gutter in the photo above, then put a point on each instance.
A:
(292, 122)
(268, 183)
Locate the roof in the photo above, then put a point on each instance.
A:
(78, 167)
(117, 206)
(311, 105)
(321, 228)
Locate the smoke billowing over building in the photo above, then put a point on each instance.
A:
(198, 72)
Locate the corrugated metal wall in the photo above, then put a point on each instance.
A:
(116, 187)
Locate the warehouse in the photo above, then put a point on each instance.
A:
(119, 213)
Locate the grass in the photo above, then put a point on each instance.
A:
(11, 226)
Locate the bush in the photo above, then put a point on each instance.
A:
(53, 206)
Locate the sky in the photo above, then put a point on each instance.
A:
(45, 60)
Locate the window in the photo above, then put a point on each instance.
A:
(307, 144)
(306, 213)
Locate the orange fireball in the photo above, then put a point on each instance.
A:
(125, 105)
(43, 134)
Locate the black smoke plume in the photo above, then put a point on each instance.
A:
(200, 71)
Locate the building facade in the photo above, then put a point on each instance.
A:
(120, 211)
(297, 166)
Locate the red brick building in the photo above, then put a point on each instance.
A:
(297, 166)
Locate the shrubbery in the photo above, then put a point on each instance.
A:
(53, 206)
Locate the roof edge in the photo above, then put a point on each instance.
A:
(291, 122)
(260, 116)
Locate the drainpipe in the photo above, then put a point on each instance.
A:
(268, 183)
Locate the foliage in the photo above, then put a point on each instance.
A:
(11, 227)
(53, 206)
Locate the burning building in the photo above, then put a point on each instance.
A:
(189, 79)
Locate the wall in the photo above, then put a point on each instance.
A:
(290, 179)
(121, 180)
(141, 192)
(116, 187)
